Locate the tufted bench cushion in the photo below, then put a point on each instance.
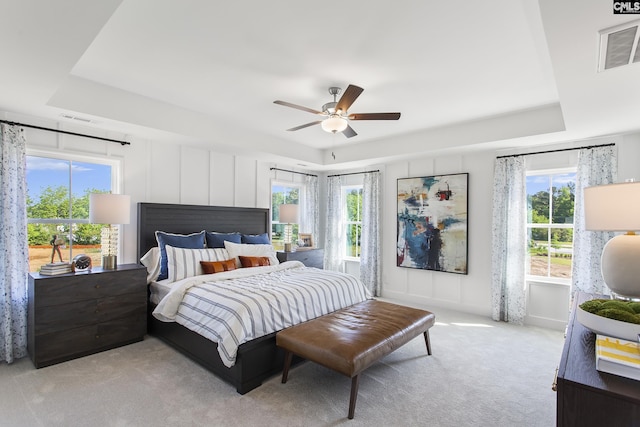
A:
(350, 340)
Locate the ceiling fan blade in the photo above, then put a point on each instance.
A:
(374, 116)
(305, 125)
(349, 132)
(298, 107)
(349, 95)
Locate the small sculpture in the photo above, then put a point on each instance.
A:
(56, 242)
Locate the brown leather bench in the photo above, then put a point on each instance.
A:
(350, 340)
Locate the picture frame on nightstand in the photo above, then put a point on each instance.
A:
(306, 240)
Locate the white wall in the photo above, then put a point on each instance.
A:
(471, 292)
(168, 173)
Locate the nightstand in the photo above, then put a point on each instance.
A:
(309, 257)
(74, 315)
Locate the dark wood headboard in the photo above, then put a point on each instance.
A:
(185, 219)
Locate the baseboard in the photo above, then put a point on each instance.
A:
(431, 303)
(543, 322)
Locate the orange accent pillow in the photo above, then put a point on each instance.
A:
(254, 261)
(210, 267)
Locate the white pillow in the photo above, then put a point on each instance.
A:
(237, 249)
(183, 263)
(151, 260)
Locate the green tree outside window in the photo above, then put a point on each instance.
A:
(550, 199)
(353, 220)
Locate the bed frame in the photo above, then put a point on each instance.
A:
(258, 359)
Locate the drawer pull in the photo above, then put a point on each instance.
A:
(97, 286)
(97, 336)
(554, 386)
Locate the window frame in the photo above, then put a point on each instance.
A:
(116, 166)
(347, 222)
(549, 226)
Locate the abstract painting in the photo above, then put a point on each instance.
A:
(432, 223)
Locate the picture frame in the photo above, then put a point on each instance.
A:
(307, 241)
(432, 223)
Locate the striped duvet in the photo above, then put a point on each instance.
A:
(234, 307)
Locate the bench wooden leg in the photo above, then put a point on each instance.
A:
(426, 340)
(354, 395)
(288, 356)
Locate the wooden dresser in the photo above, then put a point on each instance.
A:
(73, 315)
(309, 257)
(586, 396)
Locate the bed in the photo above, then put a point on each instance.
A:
(256, 359)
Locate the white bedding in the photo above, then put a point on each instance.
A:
(234, 307)
(158, 290)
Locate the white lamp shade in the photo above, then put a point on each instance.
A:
(109, 208)
(612, 207)
(289, 213)
(334, 124)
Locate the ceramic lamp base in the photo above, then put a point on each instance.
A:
(620, 266)
(109, 262)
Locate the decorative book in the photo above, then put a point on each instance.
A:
(617, 356)
(52, 269)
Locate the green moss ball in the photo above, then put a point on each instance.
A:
(617, 305)
(635, 306)
(616, 314)
(592, 306)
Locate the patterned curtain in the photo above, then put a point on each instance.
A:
(309, 208)
(509, 240)
(335, 236)
(370, 240)
(14, 251)
(596, 166)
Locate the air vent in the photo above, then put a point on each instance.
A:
(619, 46)
(80, 119)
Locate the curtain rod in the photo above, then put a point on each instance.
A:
(65, 132)
(352, 173)
(556, 151)
(286, 170)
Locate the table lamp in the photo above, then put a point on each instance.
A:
(616, 207)
(288, 215)
(109, 209)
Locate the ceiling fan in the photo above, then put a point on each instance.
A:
(336, 112)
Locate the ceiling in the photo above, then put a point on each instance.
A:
(497, 74)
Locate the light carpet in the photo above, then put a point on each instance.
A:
(481, 373)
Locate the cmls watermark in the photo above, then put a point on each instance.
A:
(626, 7)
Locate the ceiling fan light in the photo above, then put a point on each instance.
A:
(334, 124)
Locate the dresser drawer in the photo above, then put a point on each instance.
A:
(57, 318)
(71, 343)
(79, 287)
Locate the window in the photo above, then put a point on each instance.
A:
(353, 219)
(282, 194)
(58, 207)
(550, 199)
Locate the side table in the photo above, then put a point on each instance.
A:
(309, 257)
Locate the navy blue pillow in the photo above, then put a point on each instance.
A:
(216, 240)
(187, 241)
(256, 239)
